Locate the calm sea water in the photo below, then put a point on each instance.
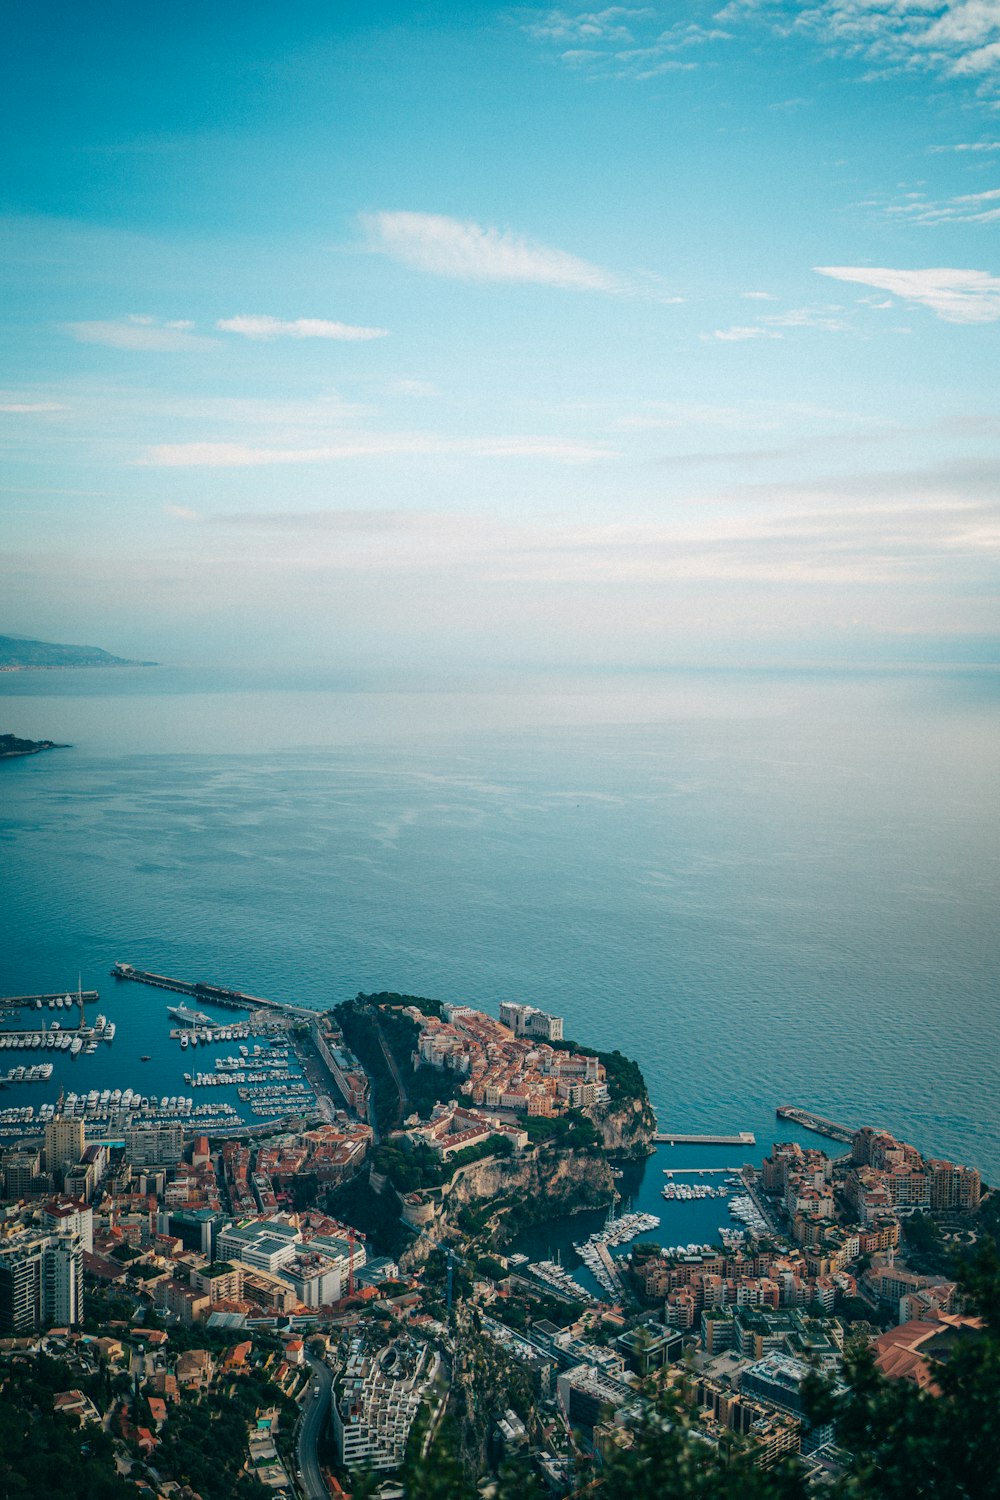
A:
(768, 889)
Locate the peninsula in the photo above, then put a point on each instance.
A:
(11, 746)
(20, 654)
(485, 1126)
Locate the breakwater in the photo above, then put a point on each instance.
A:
(819, 1123)
(199, 990)
(672, 1138)
(54, 1001)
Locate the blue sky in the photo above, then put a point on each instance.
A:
(469, 334)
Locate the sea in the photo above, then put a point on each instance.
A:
(767, 887)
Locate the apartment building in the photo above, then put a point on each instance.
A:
(376, 1398)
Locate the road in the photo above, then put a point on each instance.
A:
(315, 1410)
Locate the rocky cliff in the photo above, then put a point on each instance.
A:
(627, 1129)
(545, 1184)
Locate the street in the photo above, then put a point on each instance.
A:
(315, 1410)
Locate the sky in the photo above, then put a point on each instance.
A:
(396, 336)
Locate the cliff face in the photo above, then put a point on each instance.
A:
(626, 1130)
(546, 1185)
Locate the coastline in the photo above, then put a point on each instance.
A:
(12, 748)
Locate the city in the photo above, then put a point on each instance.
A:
(339, 1273)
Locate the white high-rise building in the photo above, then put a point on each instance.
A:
(67, 1216)
(62, 1281)
(41, 1282)
(154, 1145)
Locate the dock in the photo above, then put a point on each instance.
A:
(819, 1123)
(215, 994)
(89, 997)
(672, 1138)
(612, 1270)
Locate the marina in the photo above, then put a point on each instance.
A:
(260, 1078)
(595, 1252)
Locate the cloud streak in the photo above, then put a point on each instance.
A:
(260, 326)
(140, 333)
(223, 455)
(956, 296)
(466, 251)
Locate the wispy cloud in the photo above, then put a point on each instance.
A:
(741, 332)
(823, 318)
(773, 325)
(612, 25)
(140, 333)
(964, 208)
(966, 146)
(957, 296)
(472, 252)
(213, 455)
(260, 326)
(956, 38)
(620, 42)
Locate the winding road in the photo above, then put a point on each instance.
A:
(315, 1410)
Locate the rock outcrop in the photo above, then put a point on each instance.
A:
(544, 1183)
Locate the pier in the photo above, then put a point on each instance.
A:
(604, 1254)
(215, 994)
(671, 1138)
(818, 1123)
(702, 1171)
(89, 997)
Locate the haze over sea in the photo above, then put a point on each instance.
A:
(768, 887)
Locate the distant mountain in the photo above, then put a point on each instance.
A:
(18, 655)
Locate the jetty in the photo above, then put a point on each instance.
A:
(216, 994)
(819, 1123)
(673, 1138)
(89, 997)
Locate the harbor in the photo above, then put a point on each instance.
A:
(148, 1075)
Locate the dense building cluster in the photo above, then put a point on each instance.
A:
(504, 1066)
(235, 1247)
